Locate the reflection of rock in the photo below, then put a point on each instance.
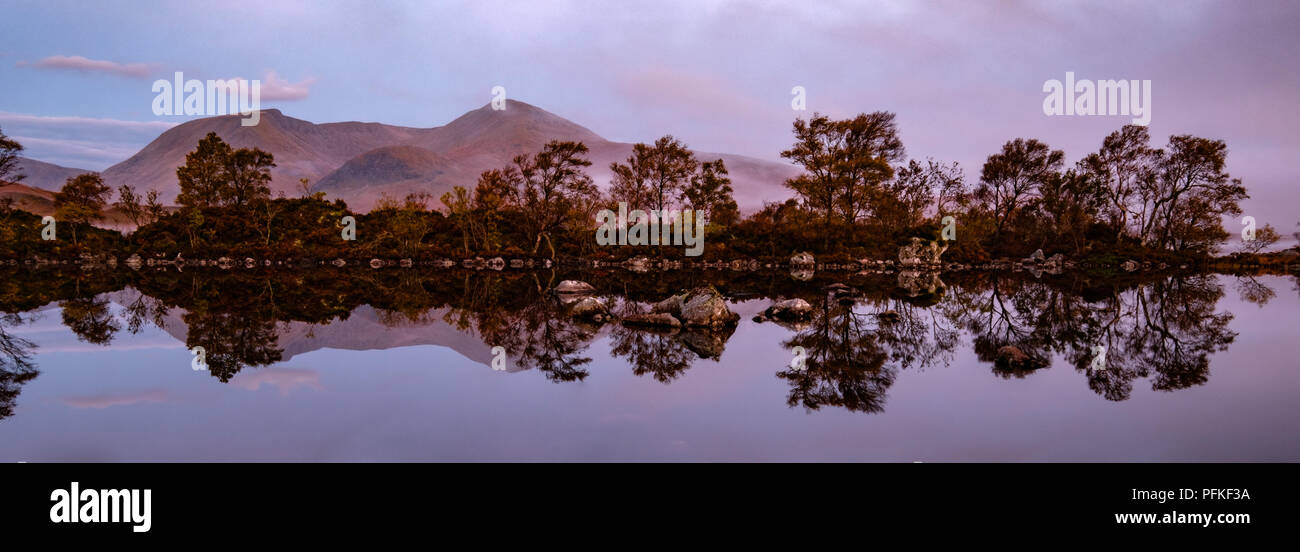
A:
(917, 283)
(1130, 265)
(801, 274)
(790, 309)
(571, 290)
(638, 264)
(708, 343)
(1010, 357)
(654, 319)
(706, 307)
(920, 252)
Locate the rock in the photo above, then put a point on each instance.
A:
(574, 287)
(516, 263)
(225, 263)
(790, 309)
(376, 263)
(654, 319)
(802, 259)
(250, 262)
(339, 263)
(705, 307)
(920, 252)
(134, 262)
(590, 308)
(671, 306)
(1037, 256)
(496, 263)
(1130, 265)
(1010, 357)
(405, 263)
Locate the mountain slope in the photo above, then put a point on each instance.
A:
(360, 162)
(45, 176)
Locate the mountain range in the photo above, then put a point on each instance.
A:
(361, 162)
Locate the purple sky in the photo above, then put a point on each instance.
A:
(963, 77)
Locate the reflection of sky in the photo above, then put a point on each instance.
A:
(131, 402)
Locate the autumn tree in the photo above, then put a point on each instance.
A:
(1124, 167)
(710, 195)
(1190, 195)
(214, 174)
(81, 200)
(129, 203)
(248, 173)
(554, 190)
(204, 174)
(844, 162)
(654, 175)
(1012, 178)
(1264, 238)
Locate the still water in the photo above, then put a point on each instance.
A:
(400, 367)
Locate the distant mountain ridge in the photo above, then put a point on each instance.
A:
(361, 162)
(45, 176)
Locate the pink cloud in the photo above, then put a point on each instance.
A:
(87, 65)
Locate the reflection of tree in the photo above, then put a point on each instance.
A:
(1252, 290)
(660, 354)
(90, 318)
(236, 328)
(16, 367)
(1164, 329)
(844, 365)
(145, 308)
(537, 334)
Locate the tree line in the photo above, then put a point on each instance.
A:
(858, 195)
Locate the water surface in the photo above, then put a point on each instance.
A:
(398, 365)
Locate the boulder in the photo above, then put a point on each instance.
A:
(574, 287)
(590, 308)
(653, 319)
(790, 309)
(802, 259)
(1130, 266)
(1037, 256)
(920, 252)
(705, 307)
(671, 306)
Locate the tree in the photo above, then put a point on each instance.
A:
(1011, 178)
(248, 174)
(205, 173)
(710, 195)
(654, 175)
(901, 202)
(1190, 195)
(81, 200)
(9, 150)
(460, 211)
(153, 206)
(553, 189)
(129, 203)
(844, 163)
(1125, 165)
(1264, 238)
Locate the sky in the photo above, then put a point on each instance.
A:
(962, 77)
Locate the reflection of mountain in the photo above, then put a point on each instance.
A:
(364, 329)
(360, 161)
